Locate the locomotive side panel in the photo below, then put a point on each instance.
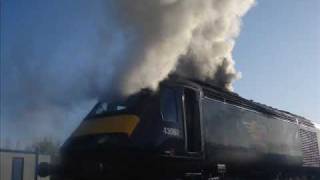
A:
(310, 147)
(318, 137)
(235, 135)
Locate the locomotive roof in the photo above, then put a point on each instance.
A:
(233, 98)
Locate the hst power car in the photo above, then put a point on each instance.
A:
(189, 129)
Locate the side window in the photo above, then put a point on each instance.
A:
(168, 105)
(17, 169)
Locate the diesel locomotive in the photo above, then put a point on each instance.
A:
(189, 129)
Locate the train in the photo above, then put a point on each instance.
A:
(189, 129)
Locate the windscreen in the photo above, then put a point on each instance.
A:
(131, 104)
(105, 107)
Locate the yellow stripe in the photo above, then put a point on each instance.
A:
(114, 124)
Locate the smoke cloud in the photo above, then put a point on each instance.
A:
(187, 37)
(59, 58)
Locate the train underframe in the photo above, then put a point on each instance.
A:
(141, 166)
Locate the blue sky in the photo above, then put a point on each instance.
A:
(51, 48)
(278, 53)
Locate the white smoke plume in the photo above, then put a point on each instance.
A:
(59, 57)
(192, 38)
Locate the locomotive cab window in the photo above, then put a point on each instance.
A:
(105, 107)
(168, 105)
(131, 104)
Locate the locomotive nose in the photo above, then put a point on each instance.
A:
(107, 125)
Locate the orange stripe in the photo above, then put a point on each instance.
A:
(114, 124)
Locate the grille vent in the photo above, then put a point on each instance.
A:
(310, 149)
(306, 122)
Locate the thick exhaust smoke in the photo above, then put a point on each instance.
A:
(190, 38)
(58, 58)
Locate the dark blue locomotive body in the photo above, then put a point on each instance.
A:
(190, 129)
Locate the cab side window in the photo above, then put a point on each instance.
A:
(168, 105)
